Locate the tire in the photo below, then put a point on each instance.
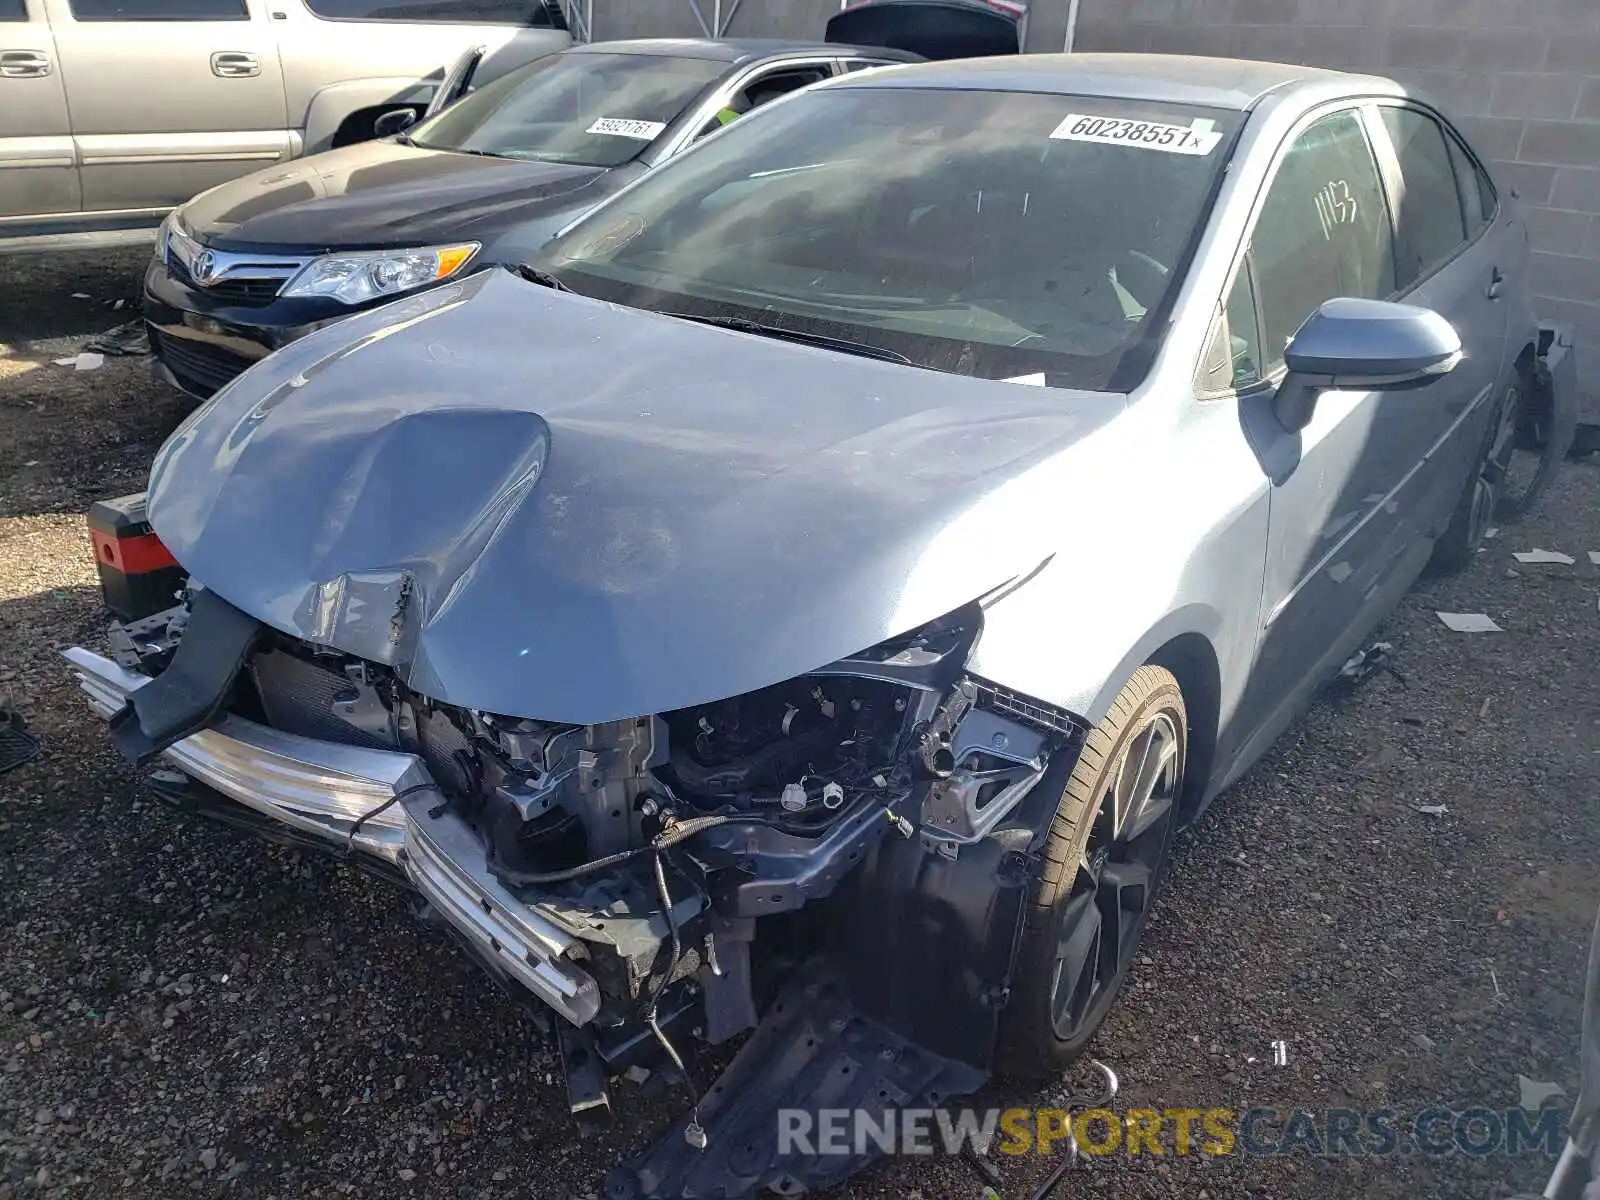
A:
(1479, 502)
(1543, 432)
(1055, 1007)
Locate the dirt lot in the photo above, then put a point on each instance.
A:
(182, 1012)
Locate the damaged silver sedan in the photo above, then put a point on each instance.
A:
(808, 599)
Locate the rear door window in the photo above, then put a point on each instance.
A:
(1323, 231)
(541, 14)
(13, 10)
(1478, 200)
(158, 10)
(1430, 224)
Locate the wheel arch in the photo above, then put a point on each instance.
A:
(1185, 643)
(336, 103)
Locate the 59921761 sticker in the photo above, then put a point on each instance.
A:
(1199, 137)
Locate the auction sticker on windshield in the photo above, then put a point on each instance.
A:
(645, 131)
(1200, 136)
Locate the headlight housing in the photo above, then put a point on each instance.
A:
(355, 277)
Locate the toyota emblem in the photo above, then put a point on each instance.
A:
(204, 266)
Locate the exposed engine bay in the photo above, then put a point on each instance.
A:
(649, 851)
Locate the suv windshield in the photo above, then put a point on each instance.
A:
(983, 233)
(598, 110)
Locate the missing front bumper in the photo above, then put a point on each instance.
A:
(323, 790)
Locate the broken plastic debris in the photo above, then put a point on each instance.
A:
(1377, 657)
(88, 360)
(1594, 557)
(80, 295)
(1536, 1091)
(1469, 622)
(1431, 810)
(1543, 556)
(636, 1073)
(1492, 532)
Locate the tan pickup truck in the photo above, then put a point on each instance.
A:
(114, 111)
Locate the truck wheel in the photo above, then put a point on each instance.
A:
(1102, 866)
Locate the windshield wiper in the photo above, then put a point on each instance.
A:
(542, 278)
(821, 340)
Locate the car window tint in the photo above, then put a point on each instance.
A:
(537, 13)
(762, 90)
(158, 10)
(12, 10)
(1323, 230)
(1478, 201)
(1429, 224)
(770, 86)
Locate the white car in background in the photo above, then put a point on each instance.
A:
(114, 111)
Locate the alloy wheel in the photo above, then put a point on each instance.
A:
(1115, 883)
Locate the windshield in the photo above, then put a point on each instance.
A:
(598, 110)
(983, 233)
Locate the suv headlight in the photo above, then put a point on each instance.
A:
(355, 277)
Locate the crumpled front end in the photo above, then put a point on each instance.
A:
(837, 858)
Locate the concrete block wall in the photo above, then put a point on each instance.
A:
(1521, 76)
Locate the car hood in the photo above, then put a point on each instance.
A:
(380, 194)
(543, 505)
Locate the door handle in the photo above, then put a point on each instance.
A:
(24, 64)
(1496, 282)
(230, 64)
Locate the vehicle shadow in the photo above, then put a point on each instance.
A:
(44, 296)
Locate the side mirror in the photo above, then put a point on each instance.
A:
(396, 120)
(1366, 345)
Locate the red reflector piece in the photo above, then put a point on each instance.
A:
(137, 555)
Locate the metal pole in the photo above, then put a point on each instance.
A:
(1072, 25)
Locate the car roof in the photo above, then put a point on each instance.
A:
(1177, 78)
(736, 50)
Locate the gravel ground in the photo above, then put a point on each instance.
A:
(183, 1012)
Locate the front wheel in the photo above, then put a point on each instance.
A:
(1102, 865)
